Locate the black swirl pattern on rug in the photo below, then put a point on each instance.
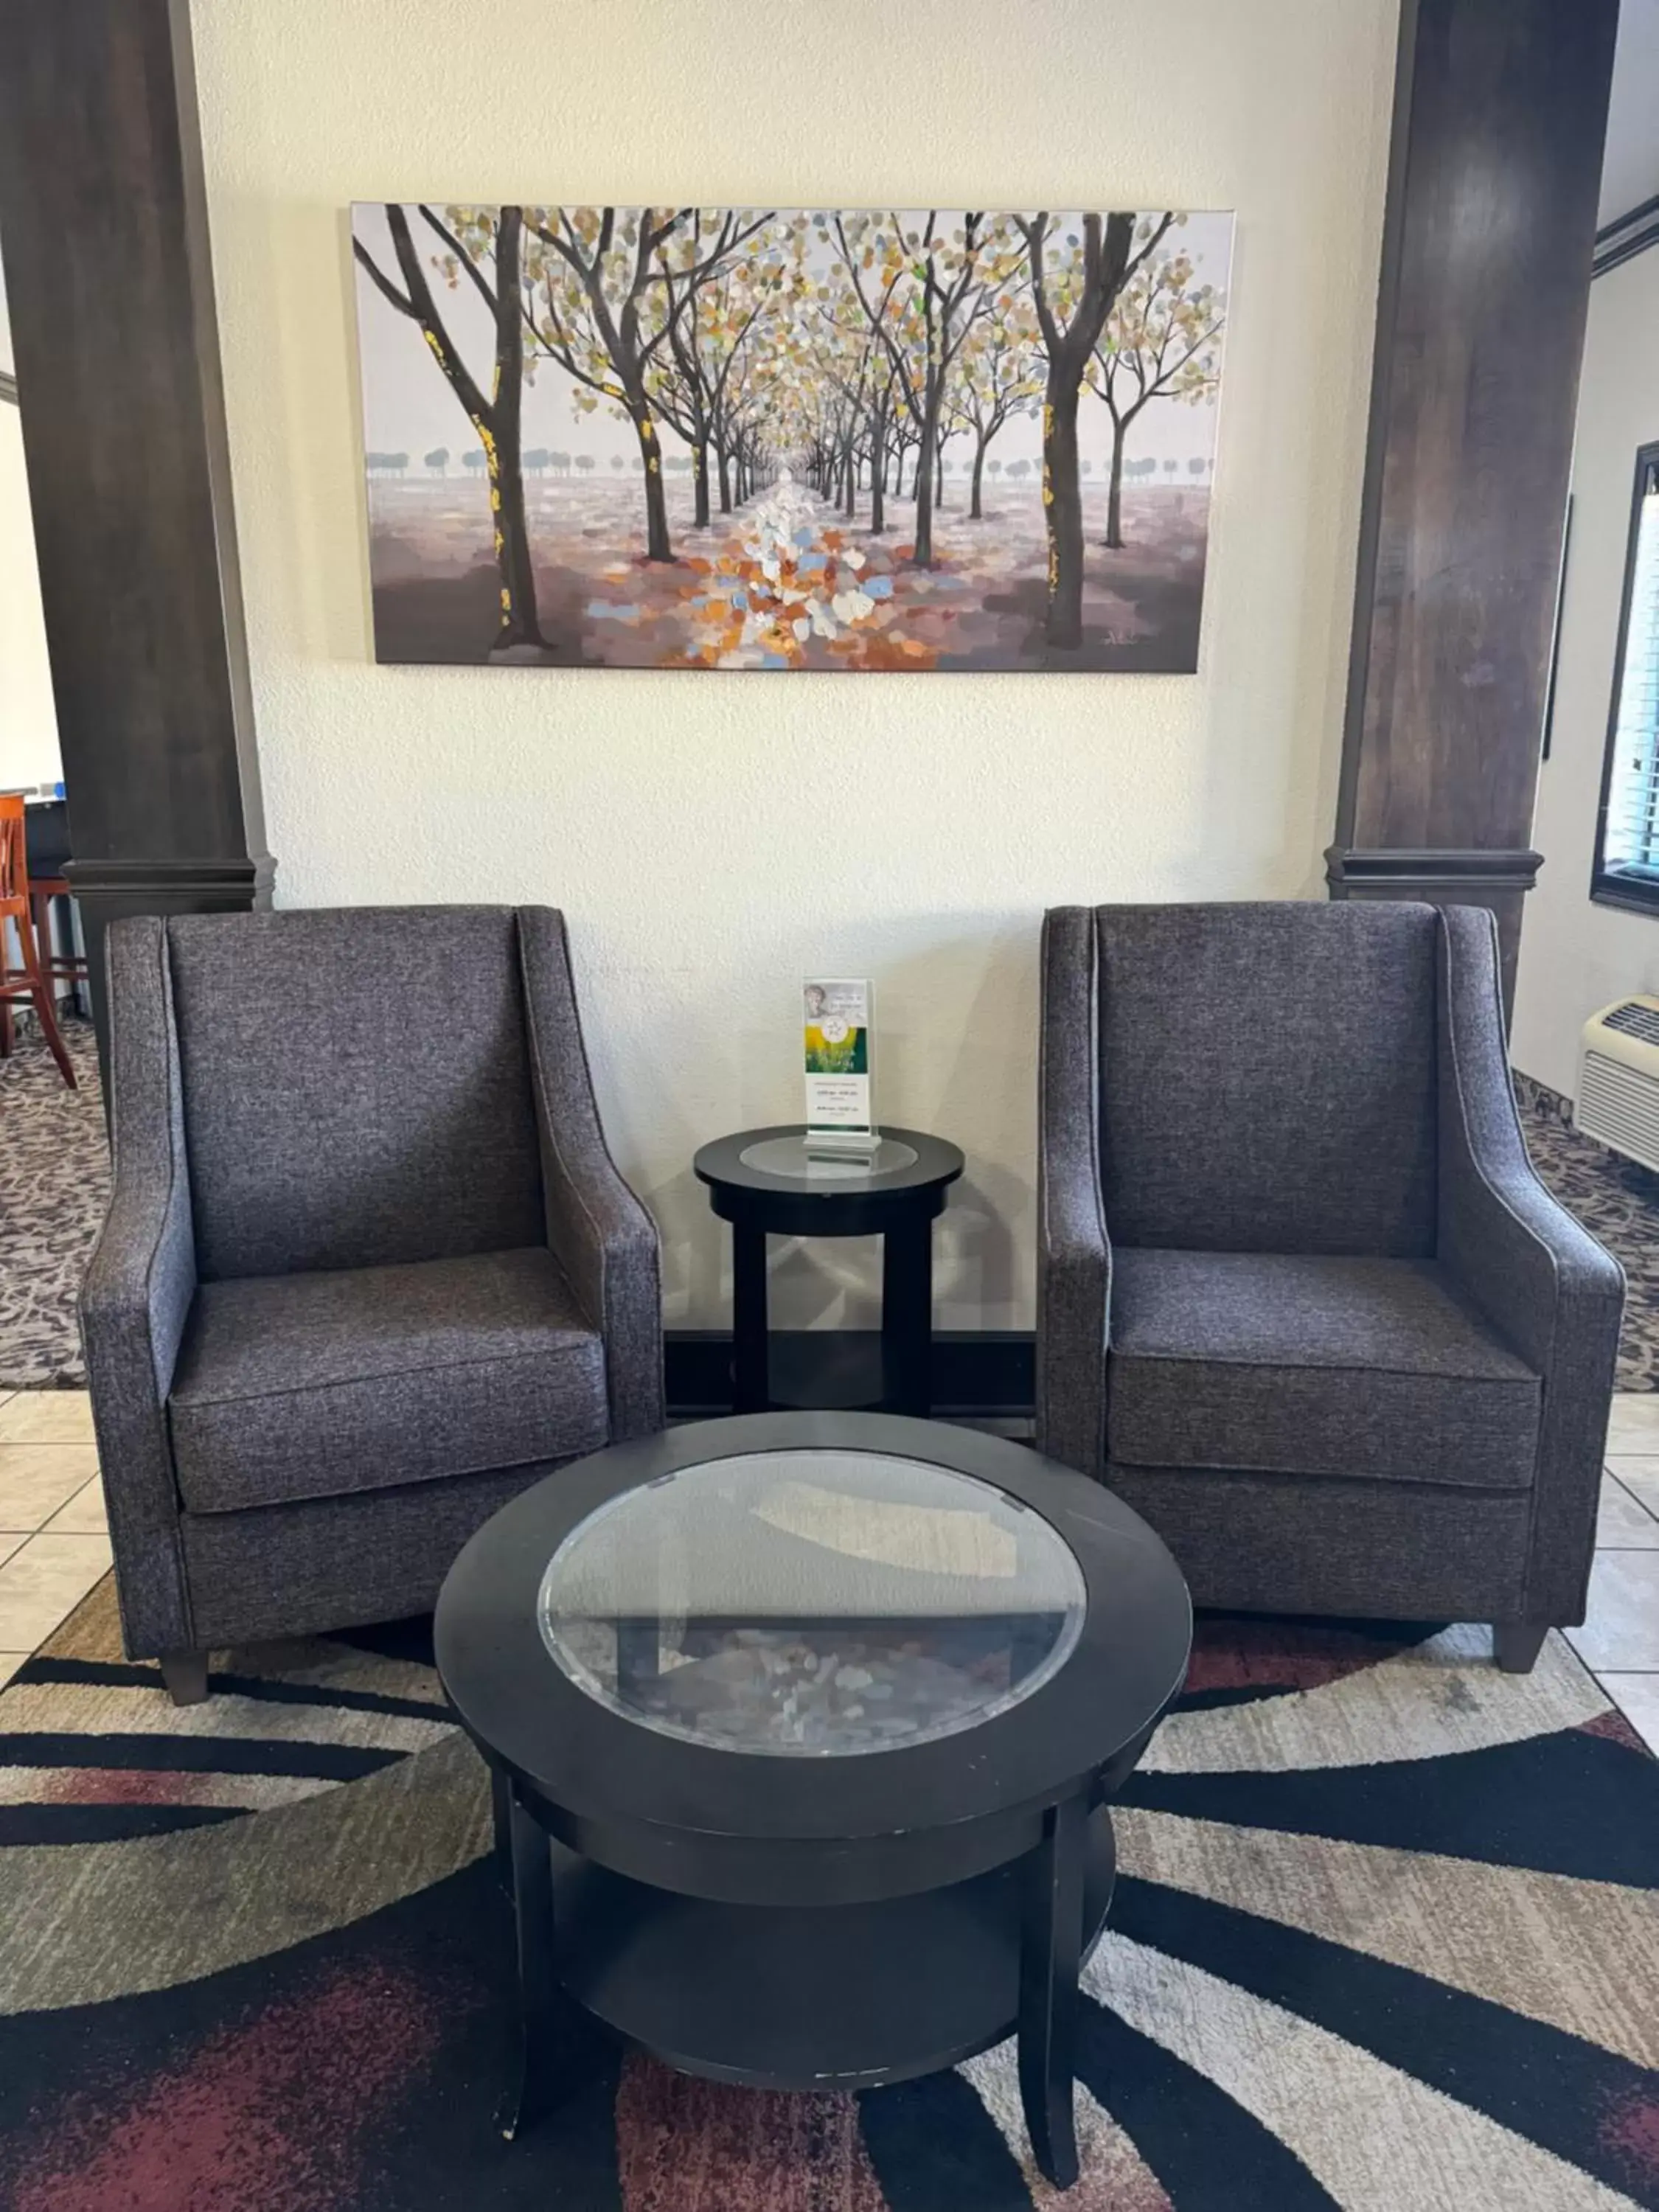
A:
(1386, 1937)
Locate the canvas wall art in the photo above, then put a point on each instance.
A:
(789, 439)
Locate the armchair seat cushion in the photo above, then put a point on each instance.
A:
(315, 1385)
(1379, 1368)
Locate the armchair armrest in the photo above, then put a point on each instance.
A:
(1074, 1255)
(1537, 1274)
(603, 1237)
(137, 1292)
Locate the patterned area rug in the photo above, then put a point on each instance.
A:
(1617, 1202)
(54, 1187)
(1387, 1939)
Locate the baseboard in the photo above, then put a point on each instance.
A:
(1536, 1099)
(979, 1374)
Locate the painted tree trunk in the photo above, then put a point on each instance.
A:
(519, 623)
(700, 483)
(975, 512)
(725, 479)
(1062, 507)
(1114, 536)
(499, 434)
(656, 546)
(927, 460)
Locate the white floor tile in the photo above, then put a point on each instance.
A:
(64, 1416)
(85, 1514)
(43, 1581)
(1623, 1525)
(1641, 1478)
(1633, 1425)
(1637, 1696)
(9, 1544)
(37, 1480)
(1621, 1631)
(9, 1663)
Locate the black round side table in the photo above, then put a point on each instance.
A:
(768, 1181)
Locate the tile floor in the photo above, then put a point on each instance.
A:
(53, 1544)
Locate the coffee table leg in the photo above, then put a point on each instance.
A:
(1050, 1959)
(750, 1381)
(538, 1985)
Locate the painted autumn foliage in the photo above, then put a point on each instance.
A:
(830, 439)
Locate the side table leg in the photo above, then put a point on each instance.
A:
(1050, 1959)
(538, 1985)
(750, 1382)
(907, 1318)
(639, 1652)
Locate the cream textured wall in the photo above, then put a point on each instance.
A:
(28, 721)
(1575, 956)
(712, 838)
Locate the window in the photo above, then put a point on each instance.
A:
(1627, 834)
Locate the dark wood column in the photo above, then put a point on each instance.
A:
(103, 215)
(1500, 110)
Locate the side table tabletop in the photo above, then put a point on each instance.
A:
(766, 1182)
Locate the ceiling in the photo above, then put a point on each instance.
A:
(1630, 169)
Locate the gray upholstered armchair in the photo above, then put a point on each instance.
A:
(368, 1269)
(1302, 1299)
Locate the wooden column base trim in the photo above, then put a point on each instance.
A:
(109, 890)
(174, 886)
(1399, 872)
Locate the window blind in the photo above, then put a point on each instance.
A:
(1629, 843)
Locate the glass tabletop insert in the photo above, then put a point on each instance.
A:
(820, 1163)
(812, 1603)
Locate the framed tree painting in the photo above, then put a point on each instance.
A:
(789, 439)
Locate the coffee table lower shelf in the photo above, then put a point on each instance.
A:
(798, 1997)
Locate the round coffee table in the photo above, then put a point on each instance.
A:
(774, 1181)
(803, 1727)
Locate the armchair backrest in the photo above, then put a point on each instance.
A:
(356, 1087)
(1268, 1076)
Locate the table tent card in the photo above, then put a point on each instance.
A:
(835, 1039)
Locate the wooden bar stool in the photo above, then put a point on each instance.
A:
(28, 982)
(66, 967)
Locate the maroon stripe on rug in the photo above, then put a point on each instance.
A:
(268, 2112)
(1233, 1654)
(684, 2145)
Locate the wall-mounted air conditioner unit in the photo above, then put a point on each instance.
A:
(1617, 1096)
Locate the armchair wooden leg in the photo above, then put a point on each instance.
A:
(1516, 1644)
(185, 1673)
